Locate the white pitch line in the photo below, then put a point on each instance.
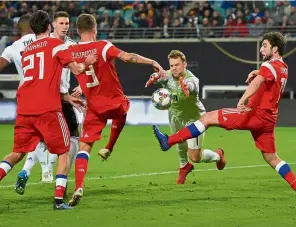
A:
(150, 174)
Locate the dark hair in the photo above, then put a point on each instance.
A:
(85, 22)
(39, 22)
(276, 39)
(23, 23)
(60, 14)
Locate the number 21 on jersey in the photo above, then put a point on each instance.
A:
(31, 59)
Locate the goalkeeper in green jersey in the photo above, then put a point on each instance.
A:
(186, 108)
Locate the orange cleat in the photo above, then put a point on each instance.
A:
(183, 172)
(222, 163)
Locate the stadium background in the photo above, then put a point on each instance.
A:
(136, 187)
(221, 40)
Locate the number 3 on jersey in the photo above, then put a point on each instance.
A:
(92, 73)
(31, 59)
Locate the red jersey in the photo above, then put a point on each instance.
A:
(268, 96)
(99, 83)
(42, 61)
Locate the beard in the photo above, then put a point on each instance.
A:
(267, 57)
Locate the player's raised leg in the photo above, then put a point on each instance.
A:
(24, 174)
(193, 130)
(116, 128)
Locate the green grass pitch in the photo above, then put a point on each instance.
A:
(136, 186)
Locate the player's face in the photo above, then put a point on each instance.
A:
(177, 67)
(266, 50)
(61, 26)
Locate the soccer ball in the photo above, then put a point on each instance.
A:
(162, 99)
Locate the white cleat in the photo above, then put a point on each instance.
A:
(104, 153)
(76, 197)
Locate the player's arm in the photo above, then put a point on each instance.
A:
(78, 68)
(252, 75)
(3, 63)
(6, 58)
(138, 59)
(252, 88)
(155, 78)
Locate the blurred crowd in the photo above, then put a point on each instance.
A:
(165, 19)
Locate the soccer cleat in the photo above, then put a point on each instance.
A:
(162, 138)
(222, 163)
(104, 153)
(183, 172)
(20, 185)
(62, 206)
(76, 197)
(47, 177)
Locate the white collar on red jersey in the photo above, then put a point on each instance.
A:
(85, 42)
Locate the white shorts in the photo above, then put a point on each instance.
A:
(177, 124)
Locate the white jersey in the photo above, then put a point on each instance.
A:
(13, 53)
(66, 72)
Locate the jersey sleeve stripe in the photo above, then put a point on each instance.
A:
(59, 48)
(271, 68)
(105, 49)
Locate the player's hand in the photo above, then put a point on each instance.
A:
(153, 78)
(160, 71)
(91, 59)
(251, 76)
(184, 87)
(242, 106)
(77, 92)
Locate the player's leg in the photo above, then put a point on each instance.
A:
(116, 128)
(41, 154)
(24, 174)
(51, 161)
(26, 139)
(265, 141)
(118, 117)
(193, 130)
(198, 155)
(72, 122)
(92, 128)
(185, 166)
(54, 130)
(8, 162)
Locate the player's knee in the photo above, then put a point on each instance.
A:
(194, 155)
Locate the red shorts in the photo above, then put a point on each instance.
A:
(51, 127)
(262, 128)
(94, 122)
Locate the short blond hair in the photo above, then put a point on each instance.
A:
(177, 54)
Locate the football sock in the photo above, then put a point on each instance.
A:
(81, 165)
(61, 183)
(52, 158)
(74, 147)
(30, 162)
(5, 167)
(183, 158)
(285, 171)
(41, 154)
(192, 130)
(116, 128)
(209, 156)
